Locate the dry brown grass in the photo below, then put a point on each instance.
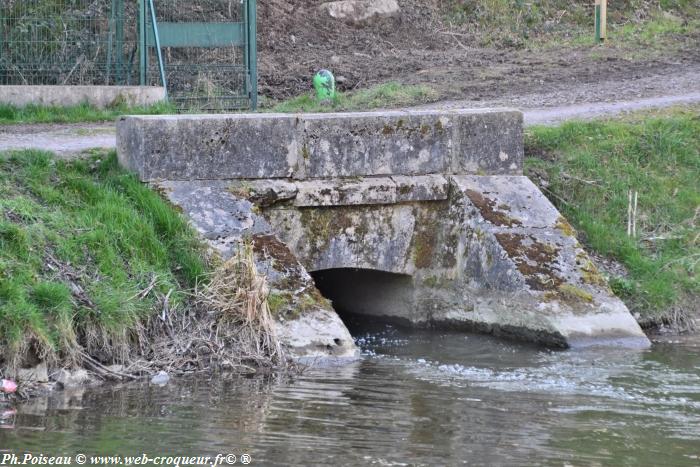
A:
(229, 326)
(237, 295)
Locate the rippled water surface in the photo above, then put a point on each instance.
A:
(413, 399)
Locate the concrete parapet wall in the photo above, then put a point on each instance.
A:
(307, 146)
(65, 96)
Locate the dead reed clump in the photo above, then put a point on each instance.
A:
(226, 325)
(236, 297)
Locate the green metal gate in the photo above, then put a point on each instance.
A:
(208, 51)
(208, 47)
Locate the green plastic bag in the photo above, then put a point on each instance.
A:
(324, 83)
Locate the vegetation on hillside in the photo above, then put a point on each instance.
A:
(588, 168)
(518, 23)
(386, 95)
(458, 38)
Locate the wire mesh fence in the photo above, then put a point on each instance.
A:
(208, 47)
(67, 42)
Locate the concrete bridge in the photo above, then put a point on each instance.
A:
(418, 216)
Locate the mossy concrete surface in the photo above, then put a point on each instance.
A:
(306, 323)
(493, 256)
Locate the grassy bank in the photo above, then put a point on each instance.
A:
(10, 114)
(87, 256)
(587, 170)
(631, 23)
(387, 95)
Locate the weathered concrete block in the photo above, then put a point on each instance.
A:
(64, 96)
(381, 237)
(525, 204)
(489, 143)
(255, 146)
(305, 323)
(210, 147)
(318, 334)
(376, 143)
(219, 216)
(338, 192)
(524, 250)
(421, 188)
(370, 190)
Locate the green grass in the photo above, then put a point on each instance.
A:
(78, 242)
(511, 23)
(386, 95)
(591, 166)
(77, 114)
(557, 23)
(653, 37)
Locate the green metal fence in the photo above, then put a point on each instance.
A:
(207, 47)
(66, 42)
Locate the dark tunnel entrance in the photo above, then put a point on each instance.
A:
(367, 296)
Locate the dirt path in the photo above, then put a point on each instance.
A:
(554, 115)
(64, 140)
(558, 103)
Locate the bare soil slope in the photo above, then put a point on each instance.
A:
(424, 45)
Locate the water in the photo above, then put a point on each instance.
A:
(413, 399)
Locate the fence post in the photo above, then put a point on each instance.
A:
(119, 55)
(601, 19)
(161, 66)
(245, 4)
(252, 53)
(110, 44)
(143, 52)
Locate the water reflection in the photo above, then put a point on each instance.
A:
(415, 399)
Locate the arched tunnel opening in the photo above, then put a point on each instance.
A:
(365, 298)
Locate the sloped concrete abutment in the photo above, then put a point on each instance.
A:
(434, 199)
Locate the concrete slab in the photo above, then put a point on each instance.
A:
(209, 147)
(489, 143)
(64, 96)
(366, 144)
(370, 190)
(303, 146)
(328, 192)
